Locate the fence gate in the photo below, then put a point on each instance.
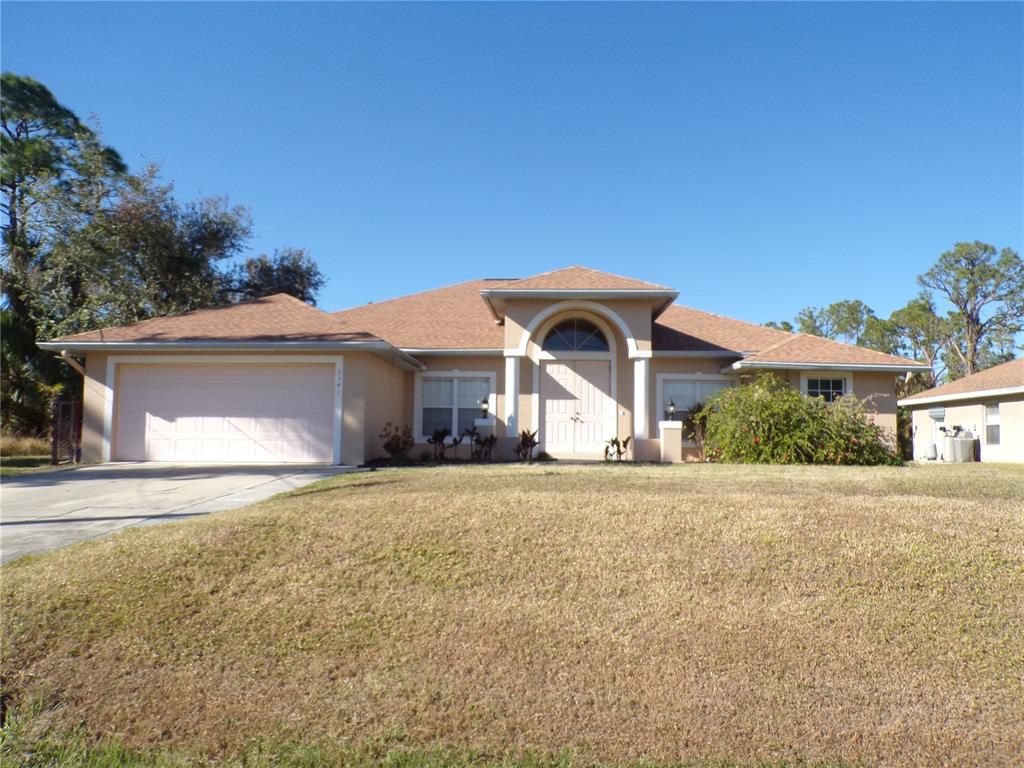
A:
(66, 432)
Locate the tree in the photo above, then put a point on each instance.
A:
(42, 143)
(289, 270)
(849, 319)
(780, 325)
(986, 289)
(920, 334)
(814, 321)
(46, 153)
(845, 320)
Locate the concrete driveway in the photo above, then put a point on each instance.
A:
(47, 510)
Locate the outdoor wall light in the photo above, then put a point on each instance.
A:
(484, 407)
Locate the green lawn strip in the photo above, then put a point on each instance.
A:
(20, 465)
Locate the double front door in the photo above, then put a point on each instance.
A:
(577, 411)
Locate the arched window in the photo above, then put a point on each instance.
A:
(575, 336)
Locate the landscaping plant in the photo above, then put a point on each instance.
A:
(398, 442)
(616, 449)
(769, 422)
(524, 448)
(438, 441)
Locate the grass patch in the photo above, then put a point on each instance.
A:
(526, 615)
(19, 465)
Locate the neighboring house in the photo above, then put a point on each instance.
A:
(578, 355)
(989, 404)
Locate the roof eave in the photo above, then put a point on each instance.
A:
(455, 351)
(980, 394)
(580, 293)
(377, 346)
(833, 366)
(495, 298)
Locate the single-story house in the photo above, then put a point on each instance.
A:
(989, 404)
(577, 355)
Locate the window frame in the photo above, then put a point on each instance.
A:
(997, 424)
(598, 331)
(662, 378)
(846, 376)
(455, 375)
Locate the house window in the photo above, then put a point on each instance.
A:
(451, 402)
(829, 389)
(575, 336)
(992, 424)
(686, 393)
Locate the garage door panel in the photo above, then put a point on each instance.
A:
(232, 413)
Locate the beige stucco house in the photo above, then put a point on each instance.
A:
(579, 356)
(989, 404)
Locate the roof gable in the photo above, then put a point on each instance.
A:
(578, 278)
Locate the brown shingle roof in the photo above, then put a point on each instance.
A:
(453, 317)
(803, 349)
(273, 318)
(457, 317)
(580, 279)
(680, 329)
(1003, 376)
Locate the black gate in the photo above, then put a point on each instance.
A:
(66, 432)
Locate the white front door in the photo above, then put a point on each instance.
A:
(578, 413)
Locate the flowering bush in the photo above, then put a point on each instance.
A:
(769, 422)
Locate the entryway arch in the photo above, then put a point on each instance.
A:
(574, 402)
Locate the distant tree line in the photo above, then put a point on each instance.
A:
(88, 244)
(985, 290)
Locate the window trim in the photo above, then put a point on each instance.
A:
(997, 423)
(847, 377)
(417, 416)
(598, 331)
(661, 378)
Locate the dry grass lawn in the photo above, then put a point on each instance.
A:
(749, 614)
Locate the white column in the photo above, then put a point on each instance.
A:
(511, 396)
(641, 386)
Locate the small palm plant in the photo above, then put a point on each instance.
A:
(616, 449)
(438, 441)
(524, 448)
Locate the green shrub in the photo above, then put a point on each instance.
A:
(769, 422)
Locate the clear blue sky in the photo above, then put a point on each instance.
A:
(759, 158)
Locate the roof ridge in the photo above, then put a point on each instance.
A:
(780, 343)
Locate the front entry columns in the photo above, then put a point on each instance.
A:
(641, 388)
(511, 396)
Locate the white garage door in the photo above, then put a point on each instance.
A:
(227, 413)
